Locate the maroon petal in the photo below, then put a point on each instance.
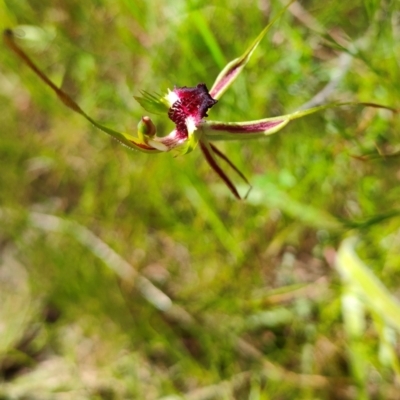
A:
(229, 162)
(214, 165)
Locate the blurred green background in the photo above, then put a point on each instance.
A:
(132, 276)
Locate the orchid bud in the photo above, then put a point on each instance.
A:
(146, 129)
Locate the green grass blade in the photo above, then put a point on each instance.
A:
(368, 286)
(209, 38)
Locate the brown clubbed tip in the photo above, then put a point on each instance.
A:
(8, 33)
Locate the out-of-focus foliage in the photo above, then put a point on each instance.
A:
(133, 276)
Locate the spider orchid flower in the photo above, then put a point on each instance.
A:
(187, 107)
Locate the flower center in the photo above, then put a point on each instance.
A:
(192, 106)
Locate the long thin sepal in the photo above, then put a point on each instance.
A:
(124, 138)
(208, 154)
(218, 130)
(235, 67)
